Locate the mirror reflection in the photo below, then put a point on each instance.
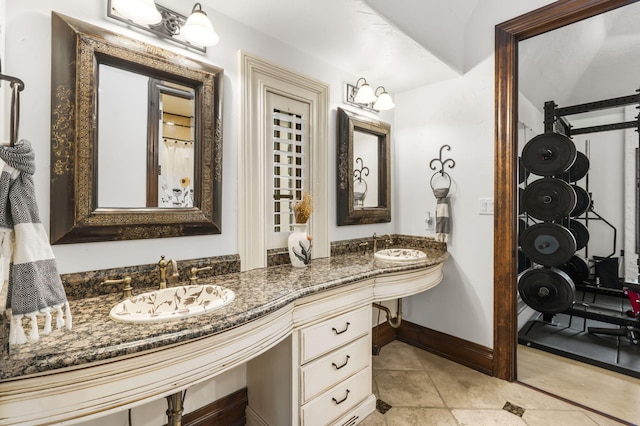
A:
(364, 194)
(136, 139)
(365, 170)
(152, 121)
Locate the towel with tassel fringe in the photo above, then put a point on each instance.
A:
(35, 288)
(443, 221)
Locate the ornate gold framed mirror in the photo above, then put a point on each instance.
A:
(364, 182)
(136, 138)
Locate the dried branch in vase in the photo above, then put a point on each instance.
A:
(302, 209)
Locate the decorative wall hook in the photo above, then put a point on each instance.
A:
(360, 186)
(357, 173)
(448, 162)
(442, 163)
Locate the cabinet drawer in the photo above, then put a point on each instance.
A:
(332, 333)
(338, 400)
(322, 373)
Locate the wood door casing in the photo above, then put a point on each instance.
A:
(507, 36)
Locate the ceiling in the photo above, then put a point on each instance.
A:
(591, 60)
(411, 43)
(352, 36)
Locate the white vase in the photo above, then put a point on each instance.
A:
(299, 244)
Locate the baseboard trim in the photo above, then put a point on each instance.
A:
(228, 410)
(382, 335)
(462, 351)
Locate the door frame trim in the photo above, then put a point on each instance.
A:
(507, 36)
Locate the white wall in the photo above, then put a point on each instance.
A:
(606, 184)
(29, 30)
(460, 113)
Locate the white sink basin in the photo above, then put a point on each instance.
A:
(399, 255)
(172, 303)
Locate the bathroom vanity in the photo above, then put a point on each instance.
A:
(304, 332)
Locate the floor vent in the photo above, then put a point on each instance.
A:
(513, 409)
(382, 406)
(351, 421)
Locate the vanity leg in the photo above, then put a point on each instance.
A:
(175, 408)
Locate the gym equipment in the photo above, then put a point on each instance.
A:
(549, 199)
(523, 262)
(577, 268)
(583, 201)
(523, 173)
(580, 233)
(580, 168)
(547, 290)
(548, 244)
(549, 154)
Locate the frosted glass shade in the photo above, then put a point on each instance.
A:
(143, 12)
(199, 30)
(365, 95)
(384, 102)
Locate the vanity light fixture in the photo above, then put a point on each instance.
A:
(143, 12)
(195, 32)
(364, 93)
(383, 101)
(198, 29)
(363, 96)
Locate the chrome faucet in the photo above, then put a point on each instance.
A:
(375, 242)
(193, 273)
(163, 270)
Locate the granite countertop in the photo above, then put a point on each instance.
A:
(96, 337)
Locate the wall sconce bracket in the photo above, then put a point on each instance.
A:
(168, 28)
(351, 92)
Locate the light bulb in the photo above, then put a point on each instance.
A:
(384, 102)
(198, 29)
(143, 12)
(365, 95)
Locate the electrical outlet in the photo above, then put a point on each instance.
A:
(430, 221)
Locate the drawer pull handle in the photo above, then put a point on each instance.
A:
(345, 363)
(342, 400)
(340, 332)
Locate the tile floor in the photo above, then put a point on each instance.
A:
(425, 389)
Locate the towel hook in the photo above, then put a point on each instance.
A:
(15, 113)
(17, 86)
(448, 162)
(357, 173)
(442, 163)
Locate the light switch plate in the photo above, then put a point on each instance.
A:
(485, 206)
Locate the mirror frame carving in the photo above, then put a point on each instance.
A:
(348, 122)
(507, 36)
(77, 49)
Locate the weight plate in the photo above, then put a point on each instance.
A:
(547, 290)
(523, 173)
(548, 244)
(580, 168)
(580, 233)
(549, 199)
(583, 201)
(523, 262)
(549, 154)
(577, 268)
